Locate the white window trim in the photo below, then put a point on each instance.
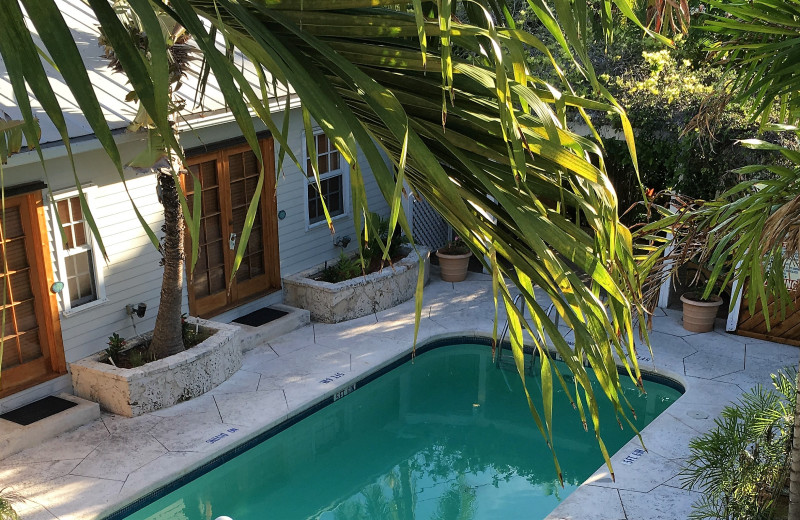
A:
(89, 191)
(344, 171)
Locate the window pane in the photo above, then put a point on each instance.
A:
(80, 278)
(75, 204)
(16, 255)
(63, 210)
(235, 166)
(334, 160)
(323, 164)
(332, 190)
(79, 231)
(314, 205)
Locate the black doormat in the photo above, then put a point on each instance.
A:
(38, 410)
(260, 317)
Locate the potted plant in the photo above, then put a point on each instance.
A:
(699, 313)
(454, 260)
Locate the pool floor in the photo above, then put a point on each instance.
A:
(448, 436)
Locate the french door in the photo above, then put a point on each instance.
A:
(228, 180)
(32, 348)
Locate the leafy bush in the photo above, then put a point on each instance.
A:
(742, 465)
(662, 90)
(371, 250)
(116, 345)
(344, 269)
(6, 511)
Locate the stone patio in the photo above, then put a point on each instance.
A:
(101, 466)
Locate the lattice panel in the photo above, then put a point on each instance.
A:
(429, 228)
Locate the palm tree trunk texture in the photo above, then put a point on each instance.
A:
(167, 334)
(794, 471)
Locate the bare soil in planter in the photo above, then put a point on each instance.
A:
(141, 354)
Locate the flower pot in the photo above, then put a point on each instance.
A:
(453, 267)
(699, 315)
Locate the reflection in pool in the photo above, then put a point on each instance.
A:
(447, 437)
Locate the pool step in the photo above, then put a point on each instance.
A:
(294, 318)
(16, 437)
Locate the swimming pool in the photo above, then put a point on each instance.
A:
(449, 436)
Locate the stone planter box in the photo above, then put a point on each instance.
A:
(162, 383)
(350, 299)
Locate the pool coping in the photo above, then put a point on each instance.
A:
(713, 367)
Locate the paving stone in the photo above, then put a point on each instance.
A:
(106, 461)
(588, 501)
(662, 503)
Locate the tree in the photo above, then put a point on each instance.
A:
(451, 102)
(752, 230)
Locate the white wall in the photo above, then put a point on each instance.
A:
(132, 273)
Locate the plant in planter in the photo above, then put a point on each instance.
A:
(699, 313)
(116, 344)
(454, 260)
(344, 269)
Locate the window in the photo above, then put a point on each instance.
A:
(333, 181)
(76, 255)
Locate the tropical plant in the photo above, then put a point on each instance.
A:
(344, 268)
(7, 511)
(116, 345)
(758, 42)
(742, 464)
(451, 102)
(454, 247)
(371, 251)
(752, 230)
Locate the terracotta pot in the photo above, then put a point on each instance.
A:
(453, 267)
(699, 315)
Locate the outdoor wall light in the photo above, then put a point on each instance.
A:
(137, 309)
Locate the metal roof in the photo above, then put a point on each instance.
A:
(111, 88)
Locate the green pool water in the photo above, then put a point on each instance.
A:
(448, 436)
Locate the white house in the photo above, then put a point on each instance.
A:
(48, 326)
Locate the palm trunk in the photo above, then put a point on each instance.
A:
(794, 471)
(167, 335)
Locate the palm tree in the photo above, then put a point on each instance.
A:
(450, 100)
(754, 228)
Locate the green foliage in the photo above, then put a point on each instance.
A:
(344, 269)
(681, 148)
(116, 345)
(372, 251)
(136, 357)
(741, 466)
(6, 510)
(663, 90)
(454, 247)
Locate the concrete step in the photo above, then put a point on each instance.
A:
(296, 318)
(16, 437)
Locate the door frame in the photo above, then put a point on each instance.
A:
(228, 299)
(52, 362)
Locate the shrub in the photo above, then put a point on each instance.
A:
(741, 466)
(344, 269)
(116, 345)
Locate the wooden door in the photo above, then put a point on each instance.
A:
(32, 349)
(228, 180)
